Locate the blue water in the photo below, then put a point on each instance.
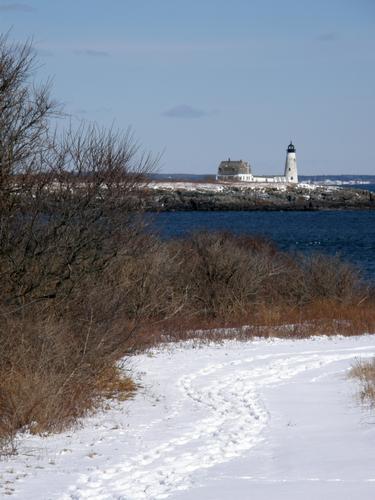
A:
(350, 234)
(366, 187)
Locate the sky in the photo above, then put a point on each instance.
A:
(203, 80)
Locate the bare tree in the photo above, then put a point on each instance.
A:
(25, 110)
(68, 202)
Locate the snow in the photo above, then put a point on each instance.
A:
(218, 187)
(189, 186)
(339, 182)
(263, 419)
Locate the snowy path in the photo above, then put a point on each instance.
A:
(263, 420)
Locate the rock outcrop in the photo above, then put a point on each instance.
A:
(180, 196)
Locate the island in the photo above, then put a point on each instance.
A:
(183, 196)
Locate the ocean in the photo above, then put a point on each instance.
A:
(367, 187)
(350, 234)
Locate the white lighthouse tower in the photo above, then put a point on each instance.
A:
(291, 173)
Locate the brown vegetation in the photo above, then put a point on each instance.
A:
(364, 371)
(83, 285)
(59, 355)
(191, 287)
(68, 205)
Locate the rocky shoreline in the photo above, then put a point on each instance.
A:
(181, 196)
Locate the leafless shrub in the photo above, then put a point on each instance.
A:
(51, 374)
(65, 199)
(58, 363)
(328, 277)
(70, 206)
(76, 219)
(222, 275)
(145, 279)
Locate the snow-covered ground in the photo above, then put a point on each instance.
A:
(222, 187)
(338, 182)
(267, 419)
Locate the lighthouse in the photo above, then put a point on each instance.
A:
(291, 164)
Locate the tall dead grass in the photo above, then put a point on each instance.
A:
(364, 371)
(52, 372)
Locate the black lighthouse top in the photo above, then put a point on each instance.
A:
(291, 148)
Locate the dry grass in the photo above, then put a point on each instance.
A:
(364, 371)
(52, 373)
(319, 318)
(111, 383)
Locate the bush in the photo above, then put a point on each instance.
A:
(52, 372)
(70, 206)
(223, 275)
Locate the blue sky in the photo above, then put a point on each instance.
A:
(204, 80)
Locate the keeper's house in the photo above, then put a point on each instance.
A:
(240, 171)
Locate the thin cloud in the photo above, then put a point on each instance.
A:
(17, 7)
(186, 111)
(179, 48)
(92, 53)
